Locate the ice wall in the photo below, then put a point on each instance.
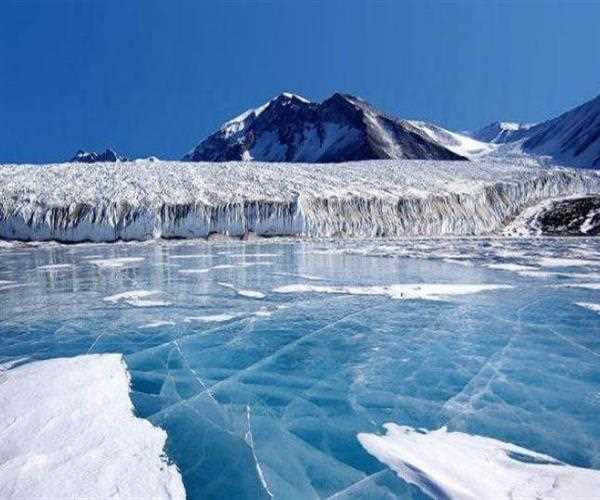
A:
(143, 200)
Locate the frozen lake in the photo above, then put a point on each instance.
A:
(263, 362)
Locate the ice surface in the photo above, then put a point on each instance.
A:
(465, 467)
(266, 397)
(590, 286)
(147, 200)
(68, 431)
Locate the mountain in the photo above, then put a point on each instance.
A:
(501, 132)
(342, 128)
(92, 157)
(572, 138)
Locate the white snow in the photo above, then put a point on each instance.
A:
(253, 294)
(587, 225)
(157, 324)
(404, 291)
(116, 262)
(561, 262)
(508, 266)
(217, 318)
(590, 306)
(461, 466)
(137, 298)
(263, 312)
(194, 271)
(190, 256)
(299, 97)
(68, 431)
(458, 143)
(54, 267)
(392, 198)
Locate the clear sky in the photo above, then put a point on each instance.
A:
(154, 77)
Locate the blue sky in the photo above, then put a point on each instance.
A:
(154, 77)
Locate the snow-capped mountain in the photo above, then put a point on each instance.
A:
(501, 132)
(572, 138)
(342, 128)
(92, 157)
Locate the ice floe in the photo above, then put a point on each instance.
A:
(190, 256)
(455, 465)
(211, 318)
(69, 431)
(565, 262)
(117, 262)
(54, 267)
(253, 294)
(511, 267)
(137, 298)
(590, 306)
(404, 291)
(194, 271)
(157, 324)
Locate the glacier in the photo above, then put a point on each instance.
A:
(145, 200)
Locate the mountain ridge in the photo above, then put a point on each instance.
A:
(341, 128)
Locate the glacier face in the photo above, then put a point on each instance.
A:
(144, 200)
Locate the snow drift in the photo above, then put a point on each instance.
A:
(455, 465)
(69, 432)
(144, 200)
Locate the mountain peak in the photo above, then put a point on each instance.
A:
(92, 157)
(499, 132)
(290, 128)
(290, 96)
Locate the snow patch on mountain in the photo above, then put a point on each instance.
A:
(501, 132)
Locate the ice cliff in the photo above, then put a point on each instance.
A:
(143, 200)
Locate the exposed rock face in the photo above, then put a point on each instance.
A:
(572, 138)
(342, 128)
(572, 216)
(92, 157)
